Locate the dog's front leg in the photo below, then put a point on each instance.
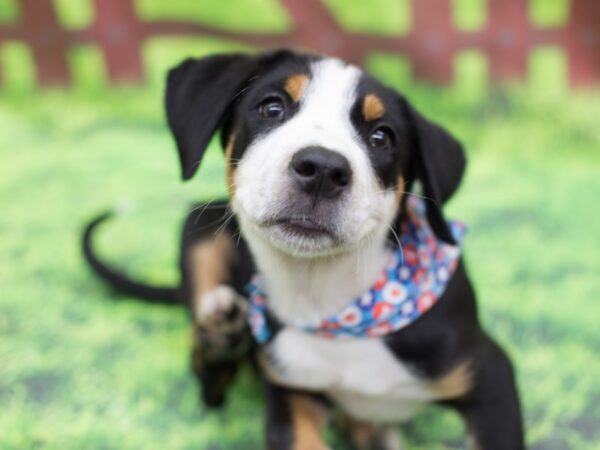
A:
(220, 334)
(295, 420)
(491, 410)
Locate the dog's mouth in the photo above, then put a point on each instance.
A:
(300, 235)
(302, 227)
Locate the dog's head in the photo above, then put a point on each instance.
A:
(319, 154)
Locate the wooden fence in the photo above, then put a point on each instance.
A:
(431, 45)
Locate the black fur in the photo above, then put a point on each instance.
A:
(202, 96)
(154, 294)
(223, 92)
(420, 150)
(392, 161)
(439, 163)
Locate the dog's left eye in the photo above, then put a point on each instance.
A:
(272, 108)
(380, 138)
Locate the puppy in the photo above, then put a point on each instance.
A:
(359, 302)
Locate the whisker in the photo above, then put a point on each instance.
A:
(424, 197)
(202, 206)
(223, 226)
(227, 216)
(239, 237)
(399, 243)
(201, 212)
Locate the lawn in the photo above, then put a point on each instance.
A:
(84, 367)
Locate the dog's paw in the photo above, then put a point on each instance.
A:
(222, 333)
(221, 309)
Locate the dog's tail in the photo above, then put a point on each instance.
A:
(153, 294)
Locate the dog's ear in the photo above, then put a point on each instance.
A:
(438, 163)
(199, 98)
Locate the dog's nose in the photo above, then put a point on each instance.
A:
(320, 171)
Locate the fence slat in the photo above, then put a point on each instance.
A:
(583, 43)
(315, 28)
(507, 39)
(47, 40)
(121, 38)
(433, 40)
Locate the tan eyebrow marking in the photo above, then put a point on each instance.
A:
(372, 108)
(295, 85)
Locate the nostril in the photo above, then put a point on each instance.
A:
(340, 178)
(306, 169)
(320, 172)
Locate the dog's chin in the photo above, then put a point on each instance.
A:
(301, 238)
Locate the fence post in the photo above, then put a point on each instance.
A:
(315, 28)
(583, 42)
(432, 40)
(121, 37)
(47, 40)
(507, 38)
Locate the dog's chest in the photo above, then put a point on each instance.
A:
(360, 375)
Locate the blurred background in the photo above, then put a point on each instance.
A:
(82, 130)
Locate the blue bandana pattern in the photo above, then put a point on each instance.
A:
(412, 282)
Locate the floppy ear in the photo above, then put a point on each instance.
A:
(439, 163)
(199, 98)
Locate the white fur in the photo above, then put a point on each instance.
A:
(214, 305)
(262, 179)
(360, 375)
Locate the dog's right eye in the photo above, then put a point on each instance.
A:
(272, 108)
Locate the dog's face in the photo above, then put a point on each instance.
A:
(318, 153)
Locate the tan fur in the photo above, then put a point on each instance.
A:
(361, 434)
(455, 383)
(400, 185)
(230, 167)
(472, 443)
(367, 436)
(373, 108)
(308, 419)
(295, 86)
(210, 261)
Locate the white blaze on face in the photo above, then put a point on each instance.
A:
(323, 119)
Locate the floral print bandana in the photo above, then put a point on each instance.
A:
(412, 282)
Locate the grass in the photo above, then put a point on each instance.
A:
(84, 367)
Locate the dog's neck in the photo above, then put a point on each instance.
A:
(304, 291)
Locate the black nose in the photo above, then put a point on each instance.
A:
(320, 171)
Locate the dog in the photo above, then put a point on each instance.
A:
(336, 188)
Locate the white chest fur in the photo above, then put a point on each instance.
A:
(360, 375)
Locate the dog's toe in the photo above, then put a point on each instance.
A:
(221, 308)
(221, 322)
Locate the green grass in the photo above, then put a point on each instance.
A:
(83, 367)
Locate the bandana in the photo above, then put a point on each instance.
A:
(411, 283)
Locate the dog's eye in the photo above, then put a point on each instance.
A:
(380, 138)
(272, 108)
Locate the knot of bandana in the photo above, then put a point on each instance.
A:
(412, 282)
